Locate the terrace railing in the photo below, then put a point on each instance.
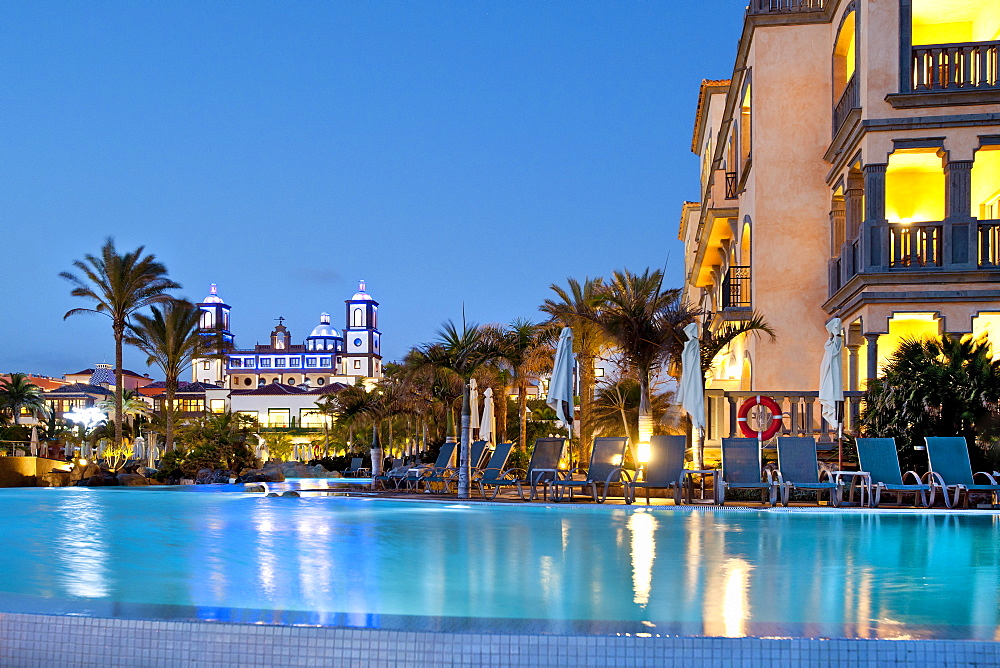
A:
(849, 101)
(989, 243)
(784, 6)
(730, 185)
(736, 287)
(916, 245)
(956, 67)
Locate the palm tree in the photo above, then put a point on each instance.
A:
(133, 406)
(936, 387)
(525, 351)
(356, 406)
(119, 285)
(616, 407)
(577, 308)
(17, 392)
(171, 341)
(643, 320)
(463, 352)
(713, 343)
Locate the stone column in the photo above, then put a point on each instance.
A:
(853, 198)
(960, 232)
(875, 231)
(852, 368)
(872, 356)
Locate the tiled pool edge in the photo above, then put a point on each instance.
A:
(45, 640)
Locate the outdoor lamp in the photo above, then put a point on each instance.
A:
(642, 452)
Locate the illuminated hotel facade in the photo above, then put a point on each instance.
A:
(850, 168)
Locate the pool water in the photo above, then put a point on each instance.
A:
(214, 553)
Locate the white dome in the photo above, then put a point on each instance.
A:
(361, 295)
(324, 329)
(213, 296)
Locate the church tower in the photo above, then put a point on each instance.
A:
(214, 327)
(362, 346)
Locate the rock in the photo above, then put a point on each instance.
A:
(290, 493)
(102, 480)
(54, 479)
(261, 475)
(204, 476)
(223, 477)
(145, 471)
(131, 480)
(295, 470)
(254, 489)
(83, 472)
(185, 481)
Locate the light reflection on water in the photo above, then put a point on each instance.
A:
(692, 572)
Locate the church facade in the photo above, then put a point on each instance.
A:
(326, 356)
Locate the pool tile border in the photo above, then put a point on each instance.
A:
(46, 640)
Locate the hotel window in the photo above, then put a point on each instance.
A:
(311, 361)
(321, 381)
(278, 417)
(235, 363)
(207, 365)
(357, 364)
(359, 318)
(295, 362)
(265, 362)
(325, 362)
(248, 362)
(310, 417)
(190, 405)
(279, 361)
(217, 405)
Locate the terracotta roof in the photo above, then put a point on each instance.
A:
(332, 388)
(44, 382)
(90, 372)
(159, 387)
(705, 85)
(80, 388)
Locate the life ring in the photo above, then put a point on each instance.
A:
(769, 404)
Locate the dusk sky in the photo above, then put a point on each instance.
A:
(452, 152)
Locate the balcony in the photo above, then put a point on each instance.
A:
(784, 6)
(736, 288)
(956, 67)
(849, 101)
(730, 185)
(932, 246)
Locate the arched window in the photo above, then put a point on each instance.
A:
(844, 54)
(359, 318)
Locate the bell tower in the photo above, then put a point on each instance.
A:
(362, 340)
(214, 328)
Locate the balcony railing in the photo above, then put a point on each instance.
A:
(915, 246)
(849, 101)
(956, 67)
(989, 243)
(730, 185)
(736, 288)
(784, 6)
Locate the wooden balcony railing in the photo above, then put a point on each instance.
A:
(916, 245)
(850, 100)
(954, 67)
(736, 288)
(730, 185)
(784, 6)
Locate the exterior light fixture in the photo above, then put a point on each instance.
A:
(642, 452)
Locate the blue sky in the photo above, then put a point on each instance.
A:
(445, 152)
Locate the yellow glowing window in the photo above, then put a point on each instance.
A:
(278, 417)
(914, 186)
(217, 405)
(937, 22)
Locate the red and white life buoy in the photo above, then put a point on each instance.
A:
(769, 404)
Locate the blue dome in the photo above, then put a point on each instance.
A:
(361, 295)
(324, 329)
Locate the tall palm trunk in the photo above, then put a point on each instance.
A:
(464, 471)
(587, 383)
(522, 417)
(376, 454)
(119, 363)
(171, 393)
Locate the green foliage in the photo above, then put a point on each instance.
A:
(217, 441)
(17, 392)
(279, 445)
(171, 466)
(936, 387)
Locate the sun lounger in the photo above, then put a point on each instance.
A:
(417, 474)
(798, 469)
(494, 468)
(393, 476)
(878, 457)
(951, 469)
(605, 470)
(356, 470)
(542, 469)
(450, 475)
(741, 469)
(665, 470)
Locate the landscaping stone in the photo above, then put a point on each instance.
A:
(103, 479)
(131, 480)
(185, 481)
(204, 476)
(54, 479)
(145, 471)
(83, 472)
(261, 475)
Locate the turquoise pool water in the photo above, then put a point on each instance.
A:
(204, 553)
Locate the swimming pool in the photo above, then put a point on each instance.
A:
(207, 554)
